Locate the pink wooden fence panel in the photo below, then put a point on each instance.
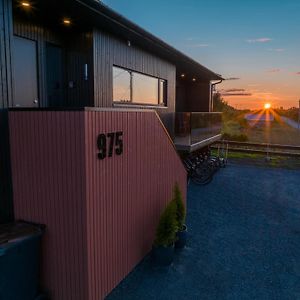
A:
(100, 214)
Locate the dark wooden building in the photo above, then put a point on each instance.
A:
(63, 55)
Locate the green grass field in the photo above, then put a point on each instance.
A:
(260, 160)
(275, 133)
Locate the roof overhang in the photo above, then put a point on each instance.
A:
(116, 23)
(92, 13)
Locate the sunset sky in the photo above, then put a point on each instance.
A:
(255, 43)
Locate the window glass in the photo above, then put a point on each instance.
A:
(144, 89)
(121, 85)
(129, 86)
(162, 92)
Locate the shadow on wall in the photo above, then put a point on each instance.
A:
(6, 205)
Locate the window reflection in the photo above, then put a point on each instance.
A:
(121, 85)
(144, 89)
(162, 91)
(129, 86)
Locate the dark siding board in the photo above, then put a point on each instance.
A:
(2, 57)
(6, 204)
(79, 53)
(193, 97)
(6, 207)
(109, 51)
(5, 59)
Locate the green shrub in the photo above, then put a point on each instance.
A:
(180, 207)
(167, 227)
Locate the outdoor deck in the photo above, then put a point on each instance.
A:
(244, 242)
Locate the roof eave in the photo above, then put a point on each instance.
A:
(172, 53)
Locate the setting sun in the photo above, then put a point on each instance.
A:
(267, 105)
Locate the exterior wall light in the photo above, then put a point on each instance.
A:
(128, 43)
(194, 79)
(67, 21)
(182, 75)
(25, 4)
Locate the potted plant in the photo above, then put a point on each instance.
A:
(181, 235)
(163, 248)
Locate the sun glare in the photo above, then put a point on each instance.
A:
(267, 105)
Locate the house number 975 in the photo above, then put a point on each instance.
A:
(110, 143)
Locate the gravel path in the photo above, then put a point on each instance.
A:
(244, 242)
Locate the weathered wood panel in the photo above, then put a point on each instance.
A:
(109, 51)
(101, 215)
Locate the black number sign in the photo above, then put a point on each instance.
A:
(115, 144)
(119, 143)
(101, 144)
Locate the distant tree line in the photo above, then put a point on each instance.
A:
(291, 113)
(233, 119)
(220, 105)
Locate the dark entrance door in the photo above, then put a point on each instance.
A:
(25, 83)
(55, 78)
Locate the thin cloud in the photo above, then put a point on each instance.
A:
(198, 45)
(235, 94)
(277, 49)
(191, 38)
(233, 78)
(297, 73)
(234, 90)
(273, 71)
(259, 40)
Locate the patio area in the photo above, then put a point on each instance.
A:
(244, 242)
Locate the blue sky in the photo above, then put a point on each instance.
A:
(256, 41)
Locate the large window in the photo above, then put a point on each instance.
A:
(121, 85)
(137, 88)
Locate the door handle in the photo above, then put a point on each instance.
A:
(35, 101)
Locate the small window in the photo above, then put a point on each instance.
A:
(121, 85)
(134, 87)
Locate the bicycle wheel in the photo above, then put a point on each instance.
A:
(202, 176)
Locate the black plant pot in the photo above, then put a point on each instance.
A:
(181, 238)
(163, 255)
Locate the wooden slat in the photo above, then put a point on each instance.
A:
(101, 215)
(49, 188)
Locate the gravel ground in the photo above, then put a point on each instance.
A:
(244, 242)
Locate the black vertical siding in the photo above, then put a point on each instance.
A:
(6, 206)
(6, 210)
(5, 53)
(80, 52)
(192, 96)
(109, 51)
